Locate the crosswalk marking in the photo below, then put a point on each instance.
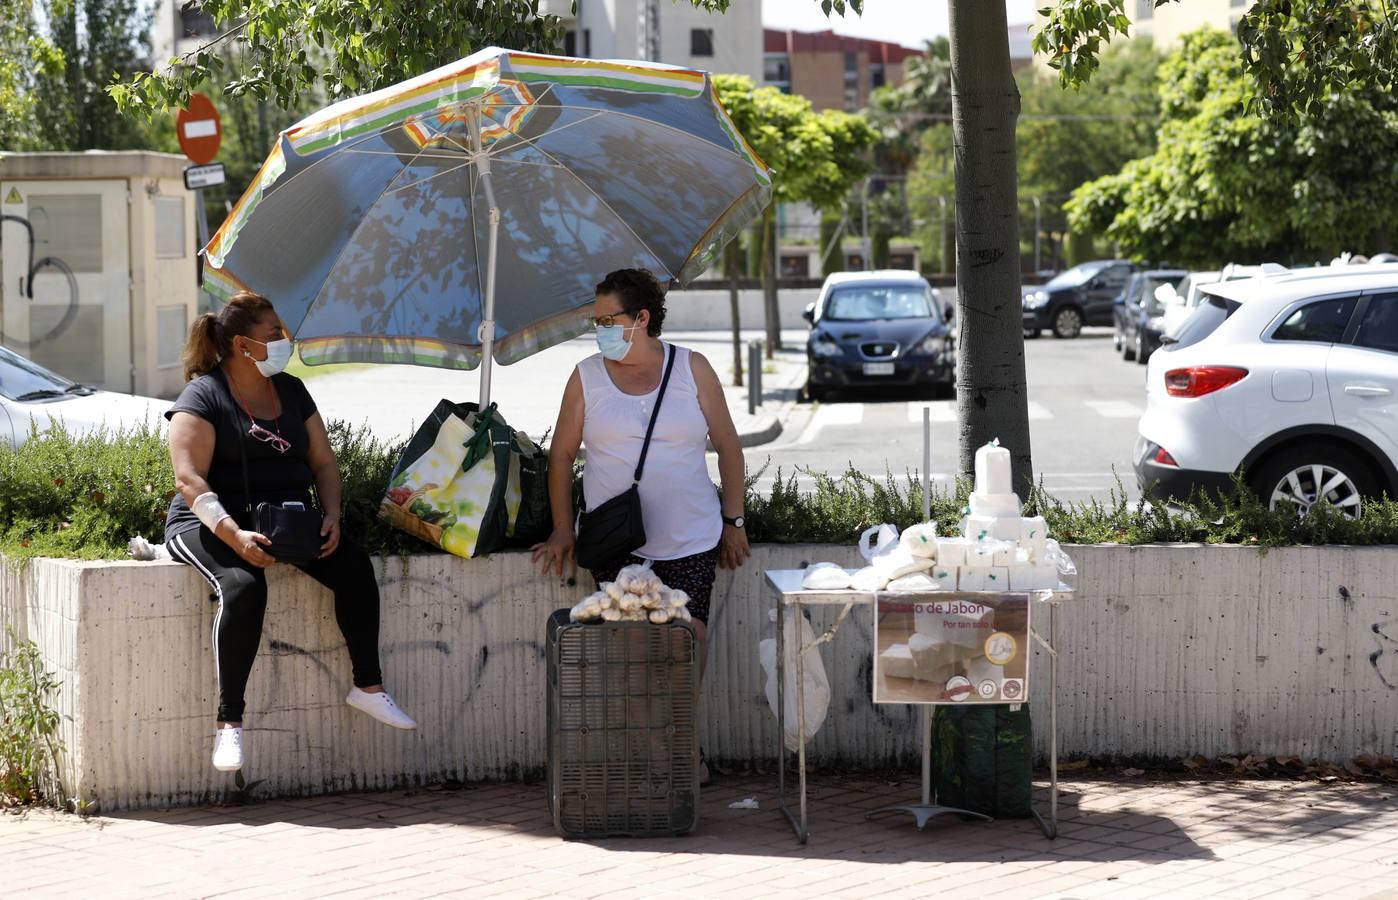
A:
(1115, 409)
(831, 414)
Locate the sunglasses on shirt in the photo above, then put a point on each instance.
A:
(279, 443)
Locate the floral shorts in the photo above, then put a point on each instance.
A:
(692, 574)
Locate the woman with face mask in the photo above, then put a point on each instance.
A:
(238, 408)
(607, 404)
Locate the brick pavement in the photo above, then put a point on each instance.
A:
(1119, 839)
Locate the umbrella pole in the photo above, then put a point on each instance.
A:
(486, 333)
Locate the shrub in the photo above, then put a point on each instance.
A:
(28, 727)
(86, 496)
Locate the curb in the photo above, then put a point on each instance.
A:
(764, 435)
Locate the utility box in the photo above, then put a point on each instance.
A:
(98, 266)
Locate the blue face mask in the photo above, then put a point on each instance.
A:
(612, 341)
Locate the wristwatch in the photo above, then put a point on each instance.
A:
(736, 521)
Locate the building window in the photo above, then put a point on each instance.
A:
(776, 72)
(570, 43)
(877, 78)
(587, 43)
(701, 42)
(169, 228)
(1145, 10)
(172, 329)
(194, 22)
(851, 96)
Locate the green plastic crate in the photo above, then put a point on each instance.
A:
(622, 728)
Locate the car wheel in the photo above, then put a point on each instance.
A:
(1128, 349)
(816, 394)
(1142, 354)
(1299, 478)
(1067, 322)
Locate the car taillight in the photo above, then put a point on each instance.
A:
(1196, 381)
(1163, 457)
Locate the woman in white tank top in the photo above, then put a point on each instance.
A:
(607, 406)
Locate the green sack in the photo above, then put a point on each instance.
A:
(460, 482)
(983, 757)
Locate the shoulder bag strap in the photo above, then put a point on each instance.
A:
(655, 413)
(242, 447)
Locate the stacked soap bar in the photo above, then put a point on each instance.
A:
(1001, 549)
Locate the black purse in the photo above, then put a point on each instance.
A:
(616, 528)
(293, 530)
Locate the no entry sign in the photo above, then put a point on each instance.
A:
(200, 130)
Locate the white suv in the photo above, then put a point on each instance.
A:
(1291, 379)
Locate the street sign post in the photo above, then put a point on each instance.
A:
(200, 132)
(199, 177)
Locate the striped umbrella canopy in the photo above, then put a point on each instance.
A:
(465, 215)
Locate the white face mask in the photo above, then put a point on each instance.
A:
(278, 355)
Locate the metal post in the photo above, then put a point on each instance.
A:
(755, 371)
(486, 333)
(754, 377)
(926, 755)
(868, 245)
(201, 228)
(1037, 231)
(926, 468)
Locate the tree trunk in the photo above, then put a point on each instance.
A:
(991, 393)
(769, 281)
(733, 255)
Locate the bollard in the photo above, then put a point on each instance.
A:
(754, 376)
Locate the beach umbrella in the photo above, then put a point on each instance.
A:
(465, 215)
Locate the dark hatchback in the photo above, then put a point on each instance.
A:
(1083, 295)
(1138, 313)
(874, 331)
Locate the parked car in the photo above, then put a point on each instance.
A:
(1082, 295)
(1290, 379)
(31, 395)
(878, 329)
(1138, 313)
(1185, 298)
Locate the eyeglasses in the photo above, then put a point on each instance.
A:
(279, 443)
(608, 321)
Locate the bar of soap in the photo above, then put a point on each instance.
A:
(997, 578)
(951, 552)
(945, 576)
(981, 555)
(921, 540)
(1009, 555)
(896, 662)
(996, 505)
(979, 669)
(993, 469)
(972, 579)
(980, 528)
(1033, 533)
(1034, 577)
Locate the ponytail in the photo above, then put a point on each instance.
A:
(211, 338)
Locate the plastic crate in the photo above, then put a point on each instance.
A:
(622, 729)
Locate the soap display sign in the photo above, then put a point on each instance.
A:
(951, 648)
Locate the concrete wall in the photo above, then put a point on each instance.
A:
(1166, 652)
(708, 310)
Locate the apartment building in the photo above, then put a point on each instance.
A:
(829, 69)
(1164, 25)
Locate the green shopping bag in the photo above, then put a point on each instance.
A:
(984, 759)
(461, 482)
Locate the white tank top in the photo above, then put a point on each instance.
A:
(679, 502)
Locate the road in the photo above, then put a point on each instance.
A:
(1084, 404)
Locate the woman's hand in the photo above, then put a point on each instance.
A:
(733, 548)
(330, 530)
(555, 551)
(249, 544)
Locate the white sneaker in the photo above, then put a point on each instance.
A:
(228, 749)
(380, 706)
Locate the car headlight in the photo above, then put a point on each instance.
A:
(1036, 299)
(825, 348)
(932, 344)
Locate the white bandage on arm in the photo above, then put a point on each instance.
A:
(208, 510)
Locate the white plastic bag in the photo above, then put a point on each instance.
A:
(888, 554)
(825, 576)
(817, 684)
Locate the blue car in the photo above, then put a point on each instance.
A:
(879, 330)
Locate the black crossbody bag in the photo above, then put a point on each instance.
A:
(294, 533)
(616, 528)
